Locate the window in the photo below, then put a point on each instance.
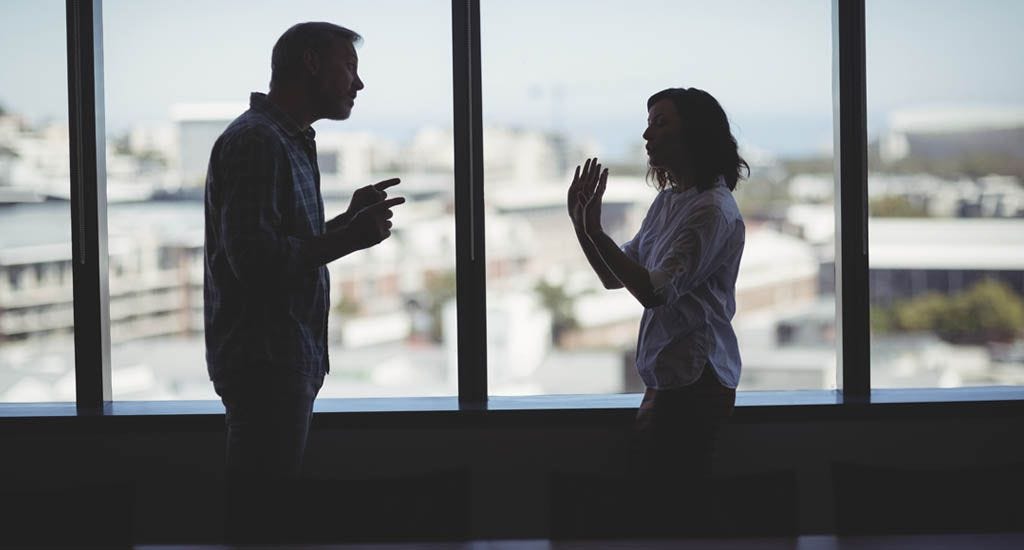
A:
(946, 193)
(37, 359)
(944, 171)
(577, 87)
(389, 335)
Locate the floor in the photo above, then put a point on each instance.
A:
(993, 541)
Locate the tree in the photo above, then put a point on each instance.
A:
(896, 207)
(347, 305)
(882, 320)
(560, 305)
(921, 314)
(990, 311)
(440, 290)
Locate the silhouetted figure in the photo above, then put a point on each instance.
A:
(681, 266)
(266, 282)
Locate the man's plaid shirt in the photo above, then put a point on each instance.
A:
(266, 301)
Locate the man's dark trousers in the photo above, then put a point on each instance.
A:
(268, 413)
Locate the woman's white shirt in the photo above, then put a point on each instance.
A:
(691, 243)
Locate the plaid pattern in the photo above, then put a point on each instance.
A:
(266, 302)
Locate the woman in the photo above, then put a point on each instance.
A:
(681, 266)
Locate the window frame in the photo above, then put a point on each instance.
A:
(853, 397)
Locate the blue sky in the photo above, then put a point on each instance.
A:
(583, 66)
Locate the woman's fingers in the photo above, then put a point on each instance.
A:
(585, 180)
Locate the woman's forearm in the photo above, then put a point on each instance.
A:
(608, 279)
(630, 274)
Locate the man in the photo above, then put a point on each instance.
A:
(267, 246)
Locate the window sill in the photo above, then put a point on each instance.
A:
(751, 407)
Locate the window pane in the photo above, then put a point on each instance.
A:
(37, 357)
(176, 75)
(576, 85)
(946, 130)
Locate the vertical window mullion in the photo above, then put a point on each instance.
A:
(850, 165)
(88, 202)
(470, 267)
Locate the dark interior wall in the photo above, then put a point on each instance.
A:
(175, 465)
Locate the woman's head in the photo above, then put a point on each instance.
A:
(688, 137)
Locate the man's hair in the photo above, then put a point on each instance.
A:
(286, 60)
(706, 137)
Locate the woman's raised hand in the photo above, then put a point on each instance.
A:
(574, 199)
(585, 193)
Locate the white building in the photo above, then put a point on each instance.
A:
(198, 126)
(349, 160)
(909, 257)
(941, 131)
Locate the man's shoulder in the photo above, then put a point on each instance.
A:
(251, 128)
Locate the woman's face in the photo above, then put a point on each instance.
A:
(664, 136)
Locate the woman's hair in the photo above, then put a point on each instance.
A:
(710, 145)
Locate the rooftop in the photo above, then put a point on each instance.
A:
(946, 243)
(941, 118)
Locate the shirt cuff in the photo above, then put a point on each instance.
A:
(625, 248)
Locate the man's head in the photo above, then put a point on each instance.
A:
(319, 60)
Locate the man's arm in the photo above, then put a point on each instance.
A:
(361, 198)
(339, 221)
(366, 228)
(252, 190)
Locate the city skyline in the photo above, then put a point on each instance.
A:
(407, 66)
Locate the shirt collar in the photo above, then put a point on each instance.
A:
(260, 102)
(719, 181)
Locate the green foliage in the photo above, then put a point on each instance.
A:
(896, 207)
(347, 306)
(923, 313)
(440, 290)
(155, 157)
(121, 144)
(882, 321)
(560, 305)
(989, 311)
(808, 165)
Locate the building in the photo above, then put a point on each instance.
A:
(910, 257)
(198, 126)
(155, 283)
(939, 132)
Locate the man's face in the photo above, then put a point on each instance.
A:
(336, 83)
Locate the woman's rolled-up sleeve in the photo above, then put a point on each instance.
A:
(694, 254)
